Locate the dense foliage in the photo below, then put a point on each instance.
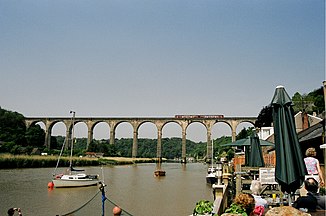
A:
(309, 103)
(171, 147)
(15, 138)
(265, 117)
(12, 127)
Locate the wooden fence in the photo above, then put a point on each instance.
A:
(269, 160)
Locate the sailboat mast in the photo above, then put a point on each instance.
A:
(212, 153)
(72, 137)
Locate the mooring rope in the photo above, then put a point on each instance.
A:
(104, 198)
(124, 212)
(82, 205)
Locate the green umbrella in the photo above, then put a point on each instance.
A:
(290, 169)
(246, 142)
(256, 158)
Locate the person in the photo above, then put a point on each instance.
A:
(116, 211)
(309, 201)
(11, 211)
(311, 186)
(256, 189)
(313, 167)
(242, 203)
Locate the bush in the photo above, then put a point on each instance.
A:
(203, 207)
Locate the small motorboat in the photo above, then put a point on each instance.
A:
(211, 177)
(159, 173)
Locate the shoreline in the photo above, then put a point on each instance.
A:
(9, 161)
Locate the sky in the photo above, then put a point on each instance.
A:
(113, 58)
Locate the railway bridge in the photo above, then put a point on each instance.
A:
(182, 120)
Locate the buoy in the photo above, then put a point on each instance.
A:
(50, 185)
(116, 210)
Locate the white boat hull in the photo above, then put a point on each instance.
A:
(78, 180)
(58, 183)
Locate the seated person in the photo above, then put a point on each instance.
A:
(242, 203)
(310, 201)
(256, 189)
(312, 183)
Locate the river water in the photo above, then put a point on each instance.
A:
(133, 187)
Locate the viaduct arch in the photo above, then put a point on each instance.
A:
(182, 121)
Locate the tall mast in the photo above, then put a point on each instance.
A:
(212, 153)
(72, 136)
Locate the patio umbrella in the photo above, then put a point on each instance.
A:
(290, 169)
(247, 154)
(256, 158)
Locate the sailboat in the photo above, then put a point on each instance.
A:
(73, 177)
(211, 176)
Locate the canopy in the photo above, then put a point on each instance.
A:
(290, 169)
(246, 142)
(256, 158)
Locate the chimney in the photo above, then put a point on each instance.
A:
(305, 123)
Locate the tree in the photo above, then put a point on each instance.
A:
(35, 136)
(304, 103)
(265, 117)
(12, 127)
(244, 133)
(319, 102)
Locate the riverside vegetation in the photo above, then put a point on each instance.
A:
(8, 161)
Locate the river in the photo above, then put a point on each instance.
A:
(133, 187)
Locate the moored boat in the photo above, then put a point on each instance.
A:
(75, 180)
(211, 177)
(159, 173)
(73, 177)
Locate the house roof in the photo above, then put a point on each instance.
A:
(312, 132)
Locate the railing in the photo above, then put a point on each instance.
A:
(221, 200)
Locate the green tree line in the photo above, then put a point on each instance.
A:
(171, 147)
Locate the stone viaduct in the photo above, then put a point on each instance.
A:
(183, 121)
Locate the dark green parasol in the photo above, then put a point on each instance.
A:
(290, 169)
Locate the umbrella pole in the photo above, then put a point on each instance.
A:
(281, 198)
(291, 197)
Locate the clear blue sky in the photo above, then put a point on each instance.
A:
(157, 58)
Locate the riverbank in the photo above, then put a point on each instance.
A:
(8, 161)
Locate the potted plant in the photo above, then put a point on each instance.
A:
(203, 207)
